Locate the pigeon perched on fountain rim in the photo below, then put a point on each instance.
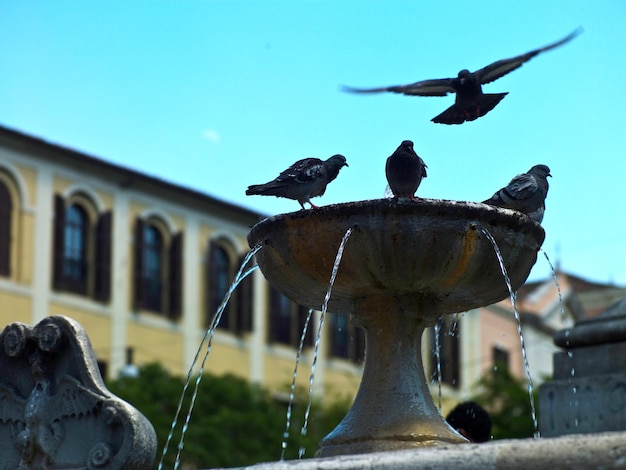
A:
(470, 102)
(525, 193)
(303, 180)
(404, 170)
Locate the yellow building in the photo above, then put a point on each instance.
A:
(143, 265)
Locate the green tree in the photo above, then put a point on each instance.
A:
(507, 401)
(233, 422)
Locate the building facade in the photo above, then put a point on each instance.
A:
(144, 264)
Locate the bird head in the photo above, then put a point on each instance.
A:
(333, 165)
(407, 144)
(541, 170)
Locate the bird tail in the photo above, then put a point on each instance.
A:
(456, 115)
(488, 102)
(452, 115)
(263, 190)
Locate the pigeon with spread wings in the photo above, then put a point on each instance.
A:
(470, 102)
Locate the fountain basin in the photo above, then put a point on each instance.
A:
(405, 264)
(422, 248)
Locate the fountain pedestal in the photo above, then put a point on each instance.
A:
(405, 264)
(393, 408)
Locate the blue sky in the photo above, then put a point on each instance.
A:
(219, 95)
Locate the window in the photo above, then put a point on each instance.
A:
(82, 248)
(237, 315)
(446, 336)
(158, 269)
(152, 268)
(6, 214)
(75, 249)
(346, 341)
(220, 278)
(500, 357)
(287, 320)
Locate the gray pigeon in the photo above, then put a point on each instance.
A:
(303, 180)
(470, 103)
(525, 193)
(405, 170)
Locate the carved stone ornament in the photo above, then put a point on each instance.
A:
(55, 411)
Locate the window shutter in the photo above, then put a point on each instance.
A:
(59, 232)
(6, 209)
(244, 302)
(138, 290)
(175, 276)
(102, 268)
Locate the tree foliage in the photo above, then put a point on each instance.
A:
(507, 401)
(233, 422)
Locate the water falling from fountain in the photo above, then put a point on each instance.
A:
(293, 384)
(519, 328)
(437, 327)
(208, 338)
(556, 282)
(333, 275)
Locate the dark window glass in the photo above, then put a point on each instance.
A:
(152, 268)
(75, 245)
(346, 341)
(447, 337)
(220, 282)
(500, 357)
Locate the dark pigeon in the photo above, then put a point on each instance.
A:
(525, 193)
(405, 170)
(470, 102)
(303, 180)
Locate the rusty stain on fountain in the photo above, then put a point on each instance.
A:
(407, 263)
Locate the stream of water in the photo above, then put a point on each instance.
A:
(512, 296)
(333, 275)
(208, 339)
(293, 384)
(437, 327)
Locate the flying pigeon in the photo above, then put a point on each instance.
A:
(303, 180)
(470, 102)
(525, 193)
(405, 170)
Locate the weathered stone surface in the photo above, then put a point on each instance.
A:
(55, 411)
(588, 393)
(405, 264)
(577, 452)
(608, 327)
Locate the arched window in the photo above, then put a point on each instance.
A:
(222, 266)
(75, 247)
(6, 213)
(158, 268)
(152, 268)
(220, 278)
(82, 247)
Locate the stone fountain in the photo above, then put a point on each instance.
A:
(406, 263)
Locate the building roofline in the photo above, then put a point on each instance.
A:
(123, 176)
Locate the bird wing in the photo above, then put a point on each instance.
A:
(433, 87)
(501, 67)
(303, 171)
(521, 187)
